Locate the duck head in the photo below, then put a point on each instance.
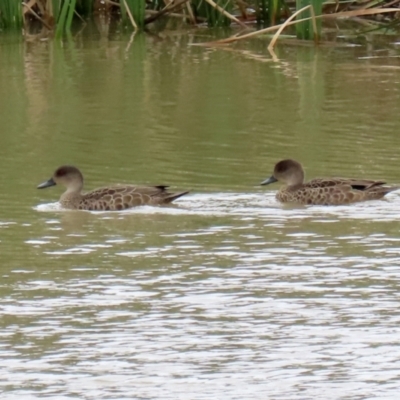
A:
(66, 175)
(289, 172)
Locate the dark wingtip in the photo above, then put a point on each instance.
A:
(174, 196)
(162, 187)
(391, 189)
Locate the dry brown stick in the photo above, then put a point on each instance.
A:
(222, 11)
(285, 24)
(40, 7)
(154, 12)
(38, 17)
(164, 11)
(391, 3)
(29, 5)
(354, 13)
(134, 24)
(242, 8)
(191, 13)
(113, 3)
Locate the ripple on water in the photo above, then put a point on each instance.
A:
(260, 205)
(222, 295)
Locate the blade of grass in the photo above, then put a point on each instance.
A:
(135, 10)
(70, 15)
(274, 8)
(133, 22)
(10, 14)
(54, 7)
(309, 30)
(262, 11)
(213, 11)
(284, 25)
(62, 19)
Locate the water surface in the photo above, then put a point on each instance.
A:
(226, 294)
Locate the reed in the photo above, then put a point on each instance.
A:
(262, 11)
(83, 7)
(65, 17)
(213, 11)
(274, 11)
(10, 15)
(133, 13)
(59, 15)
(306, 29)
(53, 8)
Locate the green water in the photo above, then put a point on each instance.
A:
(226, 294)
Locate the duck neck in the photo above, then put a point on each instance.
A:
(73, 191)
(296, 180)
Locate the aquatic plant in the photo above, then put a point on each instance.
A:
(10, 15)
(215, 12)
(306, 29)
(269, 12)
(58, 16)
(66, 14)
(133, 12)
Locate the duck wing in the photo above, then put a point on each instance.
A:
(122, 197)
(339, 191)
(356, 184)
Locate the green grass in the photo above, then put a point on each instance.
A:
(64, 19)
(10, 14)
(274, 11)
(305, 30)
(262, 11)
(59, 15)
(214, 17)
(137, 10)
(55, 4)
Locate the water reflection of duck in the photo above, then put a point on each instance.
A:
(322, 191)
(108, 198)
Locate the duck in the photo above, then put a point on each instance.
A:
(322, 191)
(109, 198)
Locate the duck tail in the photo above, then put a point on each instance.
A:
(173, 196)
(381, 191)
(388, 189)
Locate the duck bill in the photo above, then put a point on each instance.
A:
(272, 179)
(46, 184)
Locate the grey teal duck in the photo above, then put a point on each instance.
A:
(111, 198)
(322, 191)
